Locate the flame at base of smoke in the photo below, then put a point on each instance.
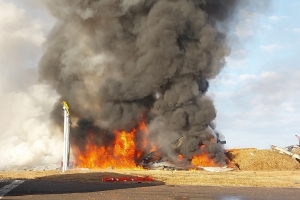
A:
(124, 152)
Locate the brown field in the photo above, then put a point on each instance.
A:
(233, 178)
(257, 168)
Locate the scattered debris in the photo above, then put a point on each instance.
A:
(125, 179)
(218, 169)
(298, 139)
(293, 151)
(166, 165)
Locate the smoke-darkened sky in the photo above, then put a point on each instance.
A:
(256, 95)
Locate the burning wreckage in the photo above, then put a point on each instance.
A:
(159, 159)
(135, 74)
(156, 160)
(136, 149)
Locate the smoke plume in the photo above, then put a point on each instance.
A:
(26, 135)
(114, 61)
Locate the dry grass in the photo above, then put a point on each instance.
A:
(232, 178)
(258, 168)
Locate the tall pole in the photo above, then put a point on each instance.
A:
(66, 137)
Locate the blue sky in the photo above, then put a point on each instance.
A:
(256, 95)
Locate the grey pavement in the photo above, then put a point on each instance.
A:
(45, 189)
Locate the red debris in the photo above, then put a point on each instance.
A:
(125, 179)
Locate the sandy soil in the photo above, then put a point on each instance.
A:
(256, 168)
(258, 160)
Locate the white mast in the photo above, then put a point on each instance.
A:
(66, 136)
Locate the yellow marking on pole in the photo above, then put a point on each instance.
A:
(66, 106)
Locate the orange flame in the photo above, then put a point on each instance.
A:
(125, 152)
(180, 157)
(203, 160)
(121, 155)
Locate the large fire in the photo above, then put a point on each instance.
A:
(125, 152)
(203, 159)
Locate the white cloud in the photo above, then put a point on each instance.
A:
(268, 27)
(236, 63)
(296, 30)
(263, 104)
(288, 107)
(275, 18)
(271, 47)
(238, 54)
(272, 90)
(269, 75)
(262, 107)
(224, 79)
(247, 77)
(279, 46)
(245, 26)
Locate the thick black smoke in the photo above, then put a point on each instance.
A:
(115, 60)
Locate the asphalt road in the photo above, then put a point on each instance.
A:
(43, 189)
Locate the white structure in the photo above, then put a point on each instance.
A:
(66, 150)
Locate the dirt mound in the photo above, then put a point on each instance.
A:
(254, 159)
(296, 150)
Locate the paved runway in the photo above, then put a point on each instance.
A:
(42, 189)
